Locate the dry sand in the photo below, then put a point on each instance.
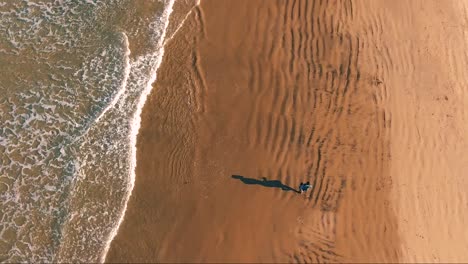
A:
(423, 63)
(367, 100)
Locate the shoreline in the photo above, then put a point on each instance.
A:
(135, 127)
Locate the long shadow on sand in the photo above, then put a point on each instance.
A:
(264, 182)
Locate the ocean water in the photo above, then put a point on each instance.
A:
(74, 76)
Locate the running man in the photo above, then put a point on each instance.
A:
(303, 187)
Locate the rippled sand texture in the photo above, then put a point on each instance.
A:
(366, 100)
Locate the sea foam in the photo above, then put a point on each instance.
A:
(136, 121)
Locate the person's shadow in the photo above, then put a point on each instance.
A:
(264, 182)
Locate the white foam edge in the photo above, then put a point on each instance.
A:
(135, 127)
(124, 81)
(181, 23)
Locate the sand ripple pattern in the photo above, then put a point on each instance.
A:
(310, 113)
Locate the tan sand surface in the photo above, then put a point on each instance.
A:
(422, 62)
(367, 100)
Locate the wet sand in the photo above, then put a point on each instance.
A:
(367, 101)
